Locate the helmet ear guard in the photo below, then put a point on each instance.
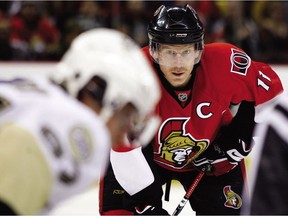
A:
(153, 49)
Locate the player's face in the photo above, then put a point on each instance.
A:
(176, 62)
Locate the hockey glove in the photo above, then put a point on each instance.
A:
(236, 138)
(213, 161)
(239, 152)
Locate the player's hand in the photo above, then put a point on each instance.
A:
(239, 151)
(213, 161)
(235, 139)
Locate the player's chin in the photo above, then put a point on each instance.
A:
(178, 81)
(177, 84)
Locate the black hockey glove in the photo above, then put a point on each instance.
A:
(213, 161)
(236, 138)
(239, 152)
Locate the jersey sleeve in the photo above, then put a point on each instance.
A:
(265, 83)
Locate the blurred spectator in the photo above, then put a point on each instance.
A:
(6, 51)
(90, 16)
(63, 15)
(80, 17)
(4, 6)
(33, 36)
(70, 31)
(43, 30)
(271, 19)
(135, 21)
(237, 27)
(61, 11)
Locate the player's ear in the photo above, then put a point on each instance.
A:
(197, 53)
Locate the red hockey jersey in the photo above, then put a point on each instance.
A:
(225, 76)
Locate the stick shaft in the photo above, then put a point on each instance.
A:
(188, 194)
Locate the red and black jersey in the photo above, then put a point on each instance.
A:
(191, 117)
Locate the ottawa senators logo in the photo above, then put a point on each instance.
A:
(240, 62)
(177, 147)
(233, 200)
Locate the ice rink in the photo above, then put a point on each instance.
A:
(87, 203)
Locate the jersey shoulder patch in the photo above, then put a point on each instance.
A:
(227, 57)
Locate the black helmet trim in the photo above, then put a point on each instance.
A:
(172, 37)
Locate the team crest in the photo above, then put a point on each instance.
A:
(240, 62)
(177, 147)
(233, 200)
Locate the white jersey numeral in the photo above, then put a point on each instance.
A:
(261, 82)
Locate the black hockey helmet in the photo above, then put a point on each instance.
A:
(176, 25)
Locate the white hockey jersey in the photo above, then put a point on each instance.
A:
(52, 146)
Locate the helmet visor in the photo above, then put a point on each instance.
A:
(175, 54)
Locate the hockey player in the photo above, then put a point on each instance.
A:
(209, 94)
(268, 174)
(54, 146)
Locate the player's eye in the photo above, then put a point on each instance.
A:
(171, 53)
(186, 52)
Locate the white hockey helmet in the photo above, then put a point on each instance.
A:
(118, 60)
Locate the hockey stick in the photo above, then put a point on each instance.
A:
(188, 194)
